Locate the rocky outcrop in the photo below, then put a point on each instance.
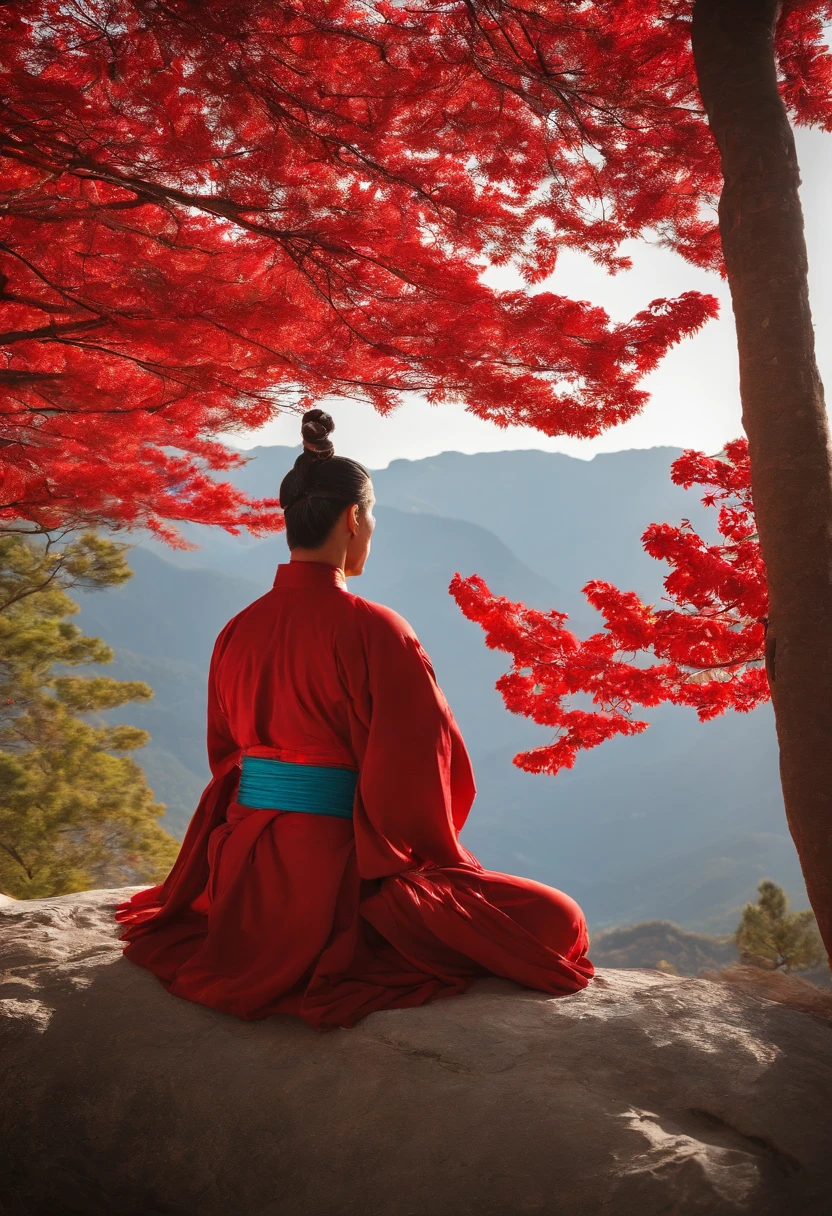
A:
(644, 1094)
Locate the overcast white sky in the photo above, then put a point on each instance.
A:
(694, 394)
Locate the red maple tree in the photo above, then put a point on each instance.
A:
(214, 211)
(706, 650)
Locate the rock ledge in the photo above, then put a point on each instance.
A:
(643, 1094)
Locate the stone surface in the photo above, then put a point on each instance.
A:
(644, 1094)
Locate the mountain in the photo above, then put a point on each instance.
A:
(679, 823)
(168, 610)
(659, 941)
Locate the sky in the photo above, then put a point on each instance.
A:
(694, 392)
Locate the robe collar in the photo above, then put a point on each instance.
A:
(310, 575)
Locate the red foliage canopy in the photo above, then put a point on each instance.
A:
(706, 650)
(215, 209)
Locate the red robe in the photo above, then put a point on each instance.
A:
(269, 911)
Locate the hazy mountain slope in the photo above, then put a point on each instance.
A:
(167, 610)
(651, 942)
(570, 520)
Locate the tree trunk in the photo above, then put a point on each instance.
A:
(761, 224)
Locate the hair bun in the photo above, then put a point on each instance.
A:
(315, 428)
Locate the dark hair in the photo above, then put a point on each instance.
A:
(320, 485)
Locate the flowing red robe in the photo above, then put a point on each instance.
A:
(269, 911)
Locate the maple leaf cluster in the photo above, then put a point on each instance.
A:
(213, 211)
(706, 650)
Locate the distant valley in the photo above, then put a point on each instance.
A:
(677, 824)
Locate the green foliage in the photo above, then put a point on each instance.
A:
(771, 936)
(30, 566)
(75, 809)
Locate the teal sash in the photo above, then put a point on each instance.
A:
(277, 785)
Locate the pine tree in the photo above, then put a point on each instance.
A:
(771, 936)
(75, 809)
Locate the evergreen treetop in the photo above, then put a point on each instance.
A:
(75, 809)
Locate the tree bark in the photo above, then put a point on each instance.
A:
(761, 224)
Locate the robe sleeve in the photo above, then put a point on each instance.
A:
(223, 749)
(416, 783)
